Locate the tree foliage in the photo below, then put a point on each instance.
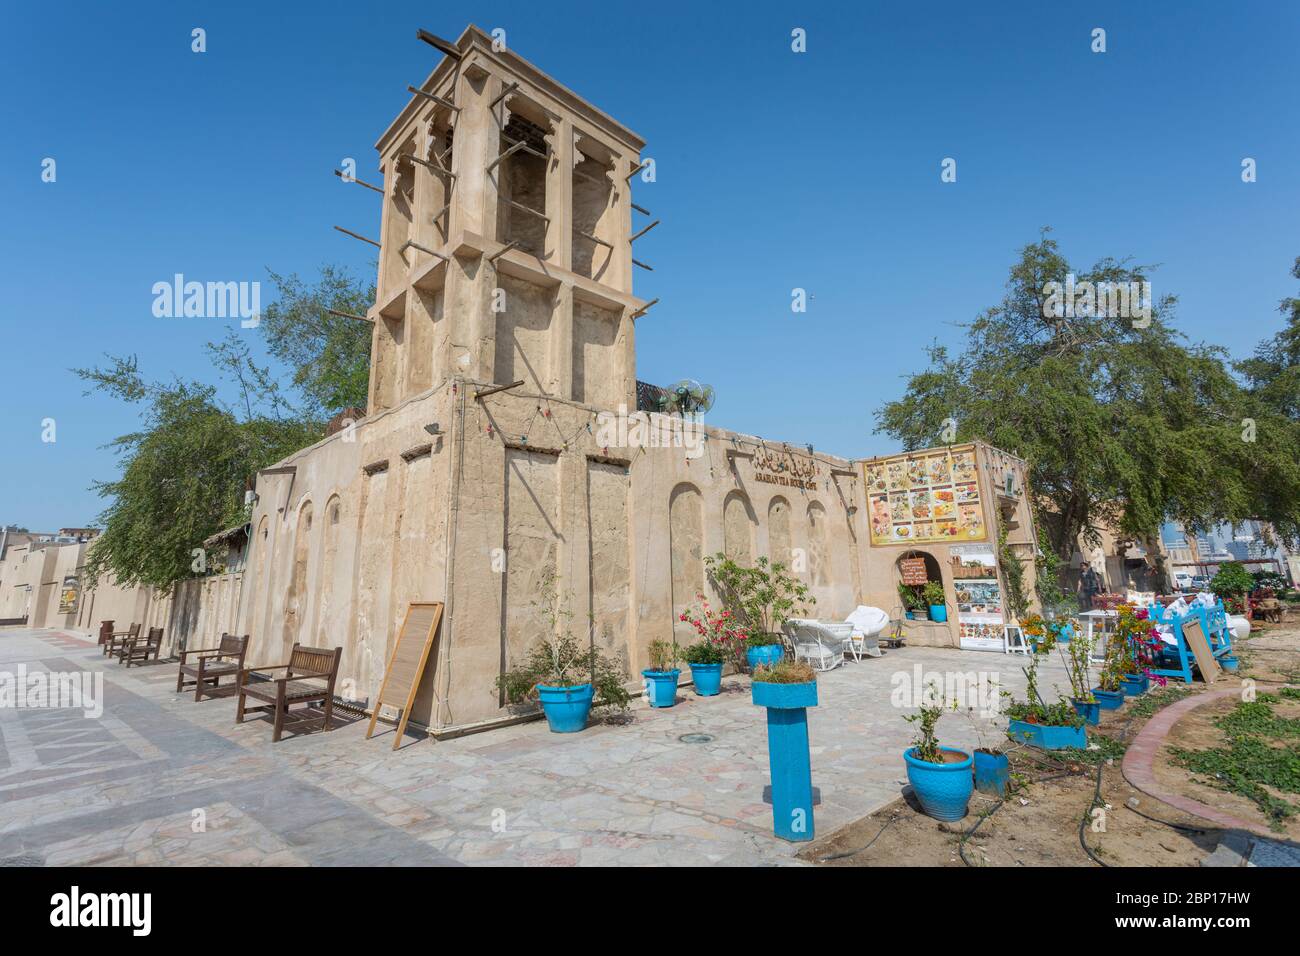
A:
(1124, 423)
(185, 470)
(327, 355)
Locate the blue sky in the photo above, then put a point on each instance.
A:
(776, 170)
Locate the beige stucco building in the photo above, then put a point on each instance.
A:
(502, 442)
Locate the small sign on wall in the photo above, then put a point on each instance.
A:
(913, 571)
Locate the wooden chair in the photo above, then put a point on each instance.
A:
(212, 664)
(105, 632)
(113, 643)
(298, 685)
(138, 650)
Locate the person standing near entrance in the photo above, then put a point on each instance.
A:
(1089, 586)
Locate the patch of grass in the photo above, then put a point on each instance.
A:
(1108, 748)
(1255, 763)
(1291, 693)
(1154, 700)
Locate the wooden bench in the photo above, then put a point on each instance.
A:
(112, 644)
(212, 664)
(298, 686)
(138, 650)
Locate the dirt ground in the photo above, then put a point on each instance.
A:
(1039, 823)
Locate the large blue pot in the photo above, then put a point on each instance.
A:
(1089, 712)
(939, 613)
(1134, 685)
(784, 696)
(566, 708)
(707, 678)
(992, 773)
(943, 789)
(1108, 699)
(662, 687)
(764, 656)
(1048, 738)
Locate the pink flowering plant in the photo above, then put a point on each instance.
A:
(1141, 639)
(722, 636)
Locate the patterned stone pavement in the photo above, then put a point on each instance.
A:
(160, 779)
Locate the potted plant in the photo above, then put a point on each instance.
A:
(940, 776)
(566, 676)
(706, 659)
(787, 689)
(1034, 722)
(992, 766)
(761, 598)
(935, 599)
(1109, 692)
(913, 606)
(1077, 656)
(763, 650)
(1232, 582)
(722, 640)
(661, 676)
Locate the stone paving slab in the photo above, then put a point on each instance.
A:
(125, 790)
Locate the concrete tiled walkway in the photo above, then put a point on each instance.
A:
(128, 787)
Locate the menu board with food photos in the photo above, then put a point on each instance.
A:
(925, 496)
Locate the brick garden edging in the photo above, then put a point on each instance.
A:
(1139, 760)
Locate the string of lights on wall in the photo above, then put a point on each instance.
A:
(778, 459)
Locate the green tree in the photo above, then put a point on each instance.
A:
(1123, 422)
(328, 355)
(185, 470)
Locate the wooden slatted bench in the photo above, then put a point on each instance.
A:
(208, 665)
(112, 644)
(138, 650)
(300, 685)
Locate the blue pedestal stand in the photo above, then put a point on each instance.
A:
(787, 751)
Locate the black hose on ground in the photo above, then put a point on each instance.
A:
(849, 853)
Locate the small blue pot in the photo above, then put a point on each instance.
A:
(707, 678)
(1108, 699)
(1048, 738)
(911, 616)
(1135, 685)
(942, 789)
(1089, 712)
(1228, 662)
(662, 687)
(939, 613)
(992, 773)
(566, 708)
(764, 656)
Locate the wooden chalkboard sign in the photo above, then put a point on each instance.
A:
(913, 571)
(406, 665)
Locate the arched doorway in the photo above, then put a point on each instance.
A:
(905, 568)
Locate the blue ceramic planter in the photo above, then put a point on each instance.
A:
(1228, 662)
(1048, 738)
(1089, 712)
(661, 687)
(566, 708)
(787, 754)
(939, 613)
(764, 656)
(707, 678)
(1134, 685)
(992, 773)
(942, 789)
(910, 616)
(1108, 699)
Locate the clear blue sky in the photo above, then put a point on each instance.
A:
(775, 171)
